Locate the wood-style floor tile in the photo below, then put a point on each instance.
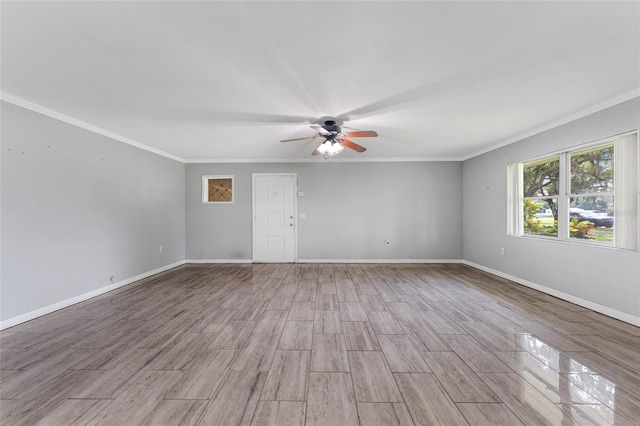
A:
(327, 322)
(139, 399)
(257, 352)
(236, 399)
(352, 311)
(74, 412)
(233, 335)
(416, 388)
(474, 354)
(202, 380)
(329, 353)
(384, 323)
(281, 413)
(440, 323)
(110, 381)
(40, 401)
(372, 379)
(282, 302)
(372, 302)
(488, 415)
(613, 396)
(288, 377)
(334, 344)
(327, 302)
(175, 412)
(301, 311)
(331, 400)
(460, 382)
(388, 414)
(297, 335)
(403, 312)
(529, 405)
(423, 337)
(359, 336)
(272, 322)
(402, 355)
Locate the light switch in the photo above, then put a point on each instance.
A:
(303, 215)
(300, 194)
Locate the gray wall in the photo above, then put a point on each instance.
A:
(606, 276)
(79, 208)
(351, 209)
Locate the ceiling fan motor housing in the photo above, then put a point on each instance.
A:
(330, 126)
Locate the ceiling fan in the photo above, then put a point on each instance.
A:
(335, 139)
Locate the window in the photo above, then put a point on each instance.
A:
(588, 194)
(540, 187)
(217, 189)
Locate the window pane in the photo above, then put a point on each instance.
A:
(540, 178)
(592, 171)
(540, 217)
(591, 218)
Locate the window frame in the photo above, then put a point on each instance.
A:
(205, 189)
(626, 168)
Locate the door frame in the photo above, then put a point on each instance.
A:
(295, 212)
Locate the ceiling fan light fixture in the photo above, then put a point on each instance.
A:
(330, 148)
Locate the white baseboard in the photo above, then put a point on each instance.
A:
(622, 316)
(332, 261)
(10, 322)
(379, 261)
(605, 310)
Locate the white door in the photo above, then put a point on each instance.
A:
(274, 217)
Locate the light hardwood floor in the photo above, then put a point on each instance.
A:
(321, 344)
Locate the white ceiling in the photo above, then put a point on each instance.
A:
(228, 80)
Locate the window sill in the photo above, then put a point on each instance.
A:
(594, 244)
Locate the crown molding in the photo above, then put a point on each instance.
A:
(39, 109)
(567, 119)
(322, 159)
(15, 100)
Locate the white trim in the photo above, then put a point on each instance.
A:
(218, 261)
(81, 124)
(569, 118)
(380, 261)
(10, 322)
(605, 310)
(321, 159)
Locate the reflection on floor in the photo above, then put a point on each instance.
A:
(321, 344)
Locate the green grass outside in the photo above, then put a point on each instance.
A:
(604, 235)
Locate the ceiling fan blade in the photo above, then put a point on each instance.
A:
(362, 134)
(299, 139)
(321, 129)
(354, 146)
(315, 151)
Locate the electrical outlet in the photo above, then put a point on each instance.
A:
(503, 251)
